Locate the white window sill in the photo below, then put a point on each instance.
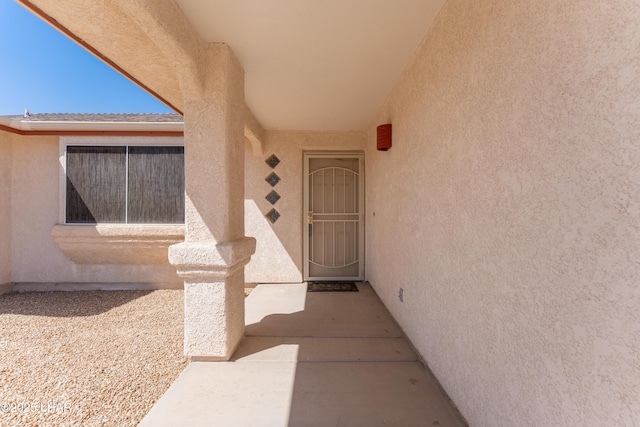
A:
(117, 243)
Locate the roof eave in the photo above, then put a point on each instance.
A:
(27, 127)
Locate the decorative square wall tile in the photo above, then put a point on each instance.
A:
(273, 197)
(273, 215)
(273, 161)
(273, 179)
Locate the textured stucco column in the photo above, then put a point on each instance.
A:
(212, 258)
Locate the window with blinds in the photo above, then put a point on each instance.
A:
(125, 184)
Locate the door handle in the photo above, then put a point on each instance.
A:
(310, 217)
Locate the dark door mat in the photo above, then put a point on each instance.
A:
(332, 287)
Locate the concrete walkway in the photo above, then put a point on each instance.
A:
(310, 359)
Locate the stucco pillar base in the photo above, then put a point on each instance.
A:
(213, 295)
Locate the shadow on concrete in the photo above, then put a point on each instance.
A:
(291, 311)
(67, 303)
(352, 363)
(310, 359)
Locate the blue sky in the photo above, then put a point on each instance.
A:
(43, 70)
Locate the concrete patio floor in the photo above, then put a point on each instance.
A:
(310, 359)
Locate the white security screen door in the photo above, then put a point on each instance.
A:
(333, 217)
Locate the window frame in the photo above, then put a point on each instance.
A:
(106, 141)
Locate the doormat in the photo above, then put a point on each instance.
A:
(332, 287)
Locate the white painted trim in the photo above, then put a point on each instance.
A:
(27, 125)
(111, 140)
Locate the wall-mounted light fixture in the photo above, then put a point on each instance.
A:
(384, 137)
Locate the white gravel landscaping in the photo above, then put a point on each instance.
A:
(94, 358)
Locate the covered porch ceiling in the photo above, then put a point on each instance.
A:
(309, 65)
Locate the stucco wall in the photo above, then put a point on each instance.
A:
(38, 190)
(509, 210)
(36, 209)
(278, 256)
(5, 207)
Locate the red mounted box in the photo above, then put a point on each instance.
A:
(384, 137)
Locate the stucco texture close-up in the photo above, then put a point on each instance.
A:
(279, 252)
(5, 207)
(508, 210)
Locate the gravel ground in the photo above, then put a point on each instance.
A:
(87, 358)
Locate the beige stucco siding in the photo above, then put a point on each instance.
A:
(509, 210)
(36, 209)
(38, 185)
(279, 252)
(5, 207)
